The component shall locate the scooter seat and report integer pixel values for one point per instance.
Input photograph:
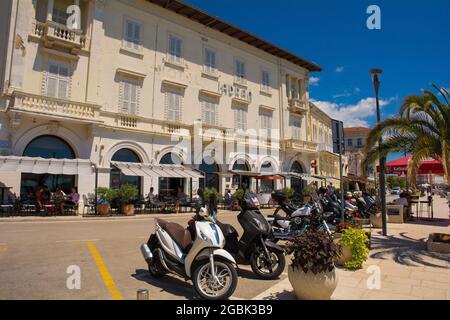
(180, 235)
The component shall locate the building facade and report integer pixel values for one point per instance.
(355, 142)
(140, 81)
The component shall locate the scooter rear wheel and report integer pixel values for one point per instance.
(260, 265)
(155, 268)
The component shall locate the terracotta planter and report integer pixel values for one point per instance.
(377, 221)
(309, 286)
(128, 209)
(103, 209)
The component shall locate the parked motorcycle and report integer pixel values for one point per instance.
(297, 219)
(194, 253)
(266, 258)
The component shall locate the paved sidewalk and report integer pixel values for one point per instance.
(408, 271)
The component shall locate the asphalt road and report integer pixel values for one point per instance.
(35, 257)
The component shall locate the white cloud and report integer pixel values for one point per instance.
(314, 81)
(339, 69)
(357, 90)
(352, 114)
(341, 95)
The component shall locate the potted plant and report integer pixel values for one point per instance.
(312, 273)
(127, 195)
(211, 195)
(104, 198)
(353, 245)
(306, 192)
(289, 192)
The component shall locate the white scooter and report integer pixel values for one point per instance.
(194, 253)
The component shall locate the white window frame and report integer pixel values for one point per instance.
(171, 56)
(173, 112)
(128, 104)
(133, 43)
(58, 78)
(240, 118)
(266, 120)
(210, 111)
(265, 86)
(240, 76)
(296, 129)
(210, 69)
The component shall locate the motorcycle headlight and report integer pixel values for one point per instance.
(261, 225)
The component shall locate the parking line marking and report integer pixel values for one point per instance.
(107, 279)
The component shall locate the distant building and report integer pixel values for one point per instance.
(355, 140)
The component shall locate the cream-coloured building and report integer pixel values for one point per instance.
(134, 80)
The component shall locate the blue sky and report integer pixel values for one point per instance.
(412, 47)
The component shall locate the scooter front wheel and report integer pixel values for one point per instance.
(219, 288)
(265, 267)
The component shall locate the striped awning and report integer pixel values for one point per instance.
(38, 165)
(156, 171)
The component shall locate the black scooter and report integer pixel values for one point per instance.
(266, 258)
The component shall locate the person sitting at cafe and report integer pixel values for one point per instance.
(403, 201)
(58, 200)
(153, 200)
(73, 197)
(181, 199)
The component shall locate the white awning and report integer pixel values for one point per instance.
(43, 166)
(156, 171)
(305, 176)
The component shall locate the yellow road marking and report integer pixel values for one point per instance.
(107, 279)
(3, 247)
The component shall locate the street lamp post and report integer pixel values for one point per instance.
(382, 182)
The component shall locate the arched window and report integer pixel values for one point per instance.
(171, 158)
(297, 183)
(210, 168)
(117, 178)
(241, 165)
(238, 180)
(47, 146)
(267, 186)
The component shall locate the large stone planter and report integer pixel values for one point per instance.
(128, 209)
(309, 286)
(103, 209)
(377, 221)
(439, 242)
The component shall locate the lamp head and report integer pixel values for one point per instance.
(375, 72)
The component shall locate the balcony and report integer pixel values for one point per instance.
(300, 145)
(54, 107)
(322, 147)
(53, 34)
(297, 106)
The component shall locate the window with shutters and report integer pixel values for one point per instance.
(240, 118)
(209, 64)
(209, 111)
(296, 129)
(173, 105)
(265, 81)
(129, 96)
(266, 120)
(58, 81)
(174, 50)
(133, 35)
(239, 71)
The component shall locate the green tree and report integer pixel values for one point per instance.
(422, 129)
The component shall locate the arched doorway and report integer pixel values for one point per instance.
(296, 183)
(117, 178)
(48, 147)
(170, 186)
(210, 168)
(267, 186)
(243, 166)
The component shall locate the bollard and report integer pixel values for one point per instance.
(142, 294)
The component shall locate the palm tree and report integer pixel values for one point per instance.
(422, 129)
